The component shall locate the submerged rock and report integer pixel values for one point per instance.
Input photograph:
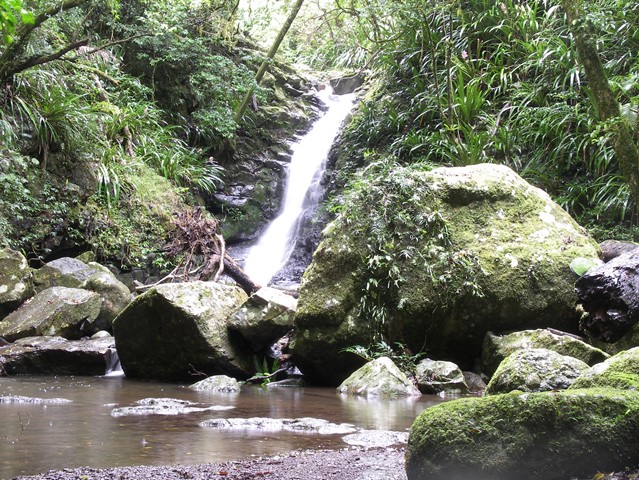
(620, 371)
(317, 426)
(536, 436)
(174, 330)
(16, 281)
(438, 376)
(379, 378)
(33, 400)
(496, 348)
(165, 406)
(57, 356)
(535, 370)
(470, 250)
(67, 312)
(376, 438)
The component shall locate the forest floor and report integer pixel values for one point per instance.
(354, 463)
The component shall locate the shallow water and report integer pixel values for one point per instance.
(35, 438)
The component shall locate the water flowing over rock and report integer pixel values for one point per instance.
(176, 331)
(497, 347)
(16, 281)
(535, 370)
(467, 251)
(37, 400)
(57, 356)
(303, 189)
(379, 378)
(620, 371)
(266, 316)
(439, 376)
(67, 312)
(536, 436)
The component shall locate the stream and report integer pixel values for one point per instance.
(35, 438)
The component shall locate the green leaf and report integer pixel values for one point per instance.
(581, 265)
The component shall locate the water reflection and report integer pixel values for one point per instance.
(35, 438)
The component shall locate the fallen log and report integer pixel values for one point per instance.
(609, 294)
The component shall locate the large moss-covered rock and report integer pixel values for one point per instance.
(379, 378)
(16, 281)
(536, 436)
(497, 347)
(442, 256)
(535, 370)
(176, 330)
(67, 312)
(620, 371)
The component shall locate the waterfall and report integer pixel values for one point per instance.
(113, 366)
(307, 165)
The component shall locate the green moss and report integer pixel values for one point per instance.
(620, 371)
(533, 436)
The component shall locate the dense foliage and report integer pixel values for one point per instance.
(460, 83)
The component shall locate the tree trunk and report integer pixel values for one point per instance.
(271, 53)
(605, 102)
(610, 296)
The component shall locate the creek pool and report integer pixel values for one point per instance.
(35, 438)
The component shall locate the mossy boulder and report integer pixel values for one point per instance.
(378, 378)
(435, 259)
(67, 312)
(497, 347)
(535, 370)
(16, 281)
(174, 331)
(536, 436)
(620, 371)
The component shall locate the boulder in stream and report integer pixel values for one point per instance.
(497, 347)
(536, 436)
(379, 378)
(16, 281)
(57, 356)
(265, 317)
(115, 297)
(436, 259)
(217, 384)
(67, 312)
(535, 370)
(179, 331)
(436, 376)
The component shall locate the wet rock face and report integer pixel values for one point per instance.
(536, 436)
(174, 331)
(474, 249)
(16, 281)
(67, 312)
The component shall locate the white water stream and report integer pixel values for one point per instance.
(276, 244)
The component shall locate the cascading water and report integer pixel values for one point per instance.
(276, 244)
